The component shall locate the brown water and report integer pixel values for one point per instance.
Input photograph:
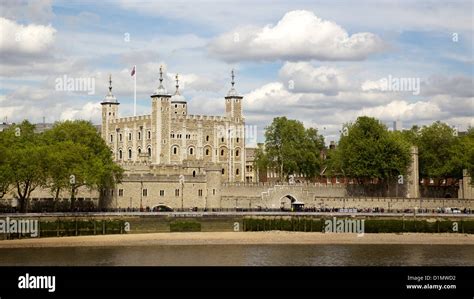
(244, 255)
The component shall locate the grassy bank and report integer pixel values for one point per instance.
(303, 224)
(89, 226)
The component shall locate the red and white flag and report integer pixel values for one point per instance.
(133, 70)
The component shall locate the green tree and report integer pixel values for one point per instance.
(369, 151)
(80, 157)
(24, 161)
(290, 148)
(441, 153)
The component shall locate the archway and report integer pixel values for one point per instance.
(290, 203)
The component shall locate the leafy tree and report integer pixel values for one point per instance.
(441, 153)
(29, 160)
(80, 158)
(290, 148)
(369, 151)
(25, 161)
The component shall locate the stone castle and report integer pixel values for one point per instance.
(169, 137)
(169, 152)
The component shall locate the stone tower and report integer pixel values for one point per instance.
(233, 103)
(413, 188)
(109, 111)
(160, 119)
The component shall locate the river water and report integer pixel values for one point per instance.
(243, 255)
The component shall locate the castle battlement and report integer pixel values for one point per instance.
(130, 119)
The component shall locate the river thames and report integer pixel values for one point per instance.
(243, 255)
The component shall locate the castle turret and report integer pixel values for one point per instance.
(233, 102)
(109, 112)
(160, 118)
(179, 106)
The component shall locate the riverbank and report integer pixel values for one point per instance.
(247, 238)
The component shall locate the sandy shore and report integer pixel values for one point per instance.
(230, 238)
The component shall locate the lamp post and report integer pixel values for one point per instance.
(181, 181)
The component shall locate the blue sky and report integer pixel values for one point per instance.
(317, 61)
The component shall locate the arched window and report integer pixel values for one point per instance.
(149, 134)
(120, 154)
(175, 150)
(237, 153)
(129, 153)
(222, 152)
(194, 173)
(140, 136)
(120, 137)
(207, 152)
(238, 139)
(237, 171)
(207, 138)
(111, 137)
(222, 139)
(139, 150)
(191, 151)
(223, 171)
(149, 152)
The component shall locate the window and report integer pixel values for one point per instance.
(191, 151)
(129, 153)
(145, 192)
(237, 153)
(175, 105)
(222, 139)
(111, 138)
(139, 151)
(213, 191)
(223, 171)
(200, 192)
(176, 192)
(194, 173)
(207, 138)
(162, 192)
(222, 152)
(238, 139)
(149, 134)
(120, 137)
(149, 152)
(237, 171)
(120, 193)
(207, 152)
(175, 150)
(139, 135)
(120, 154)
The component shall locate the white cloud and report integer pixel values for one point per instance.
(89, 111)
(21, 39)
(304, 77)
(299, 35)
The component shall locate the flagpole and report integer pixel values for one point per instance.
(135, 94)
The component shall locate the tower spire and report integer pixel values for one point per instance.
(161, 75)
(177, 85)
(110, 98)
(232, 92)
(232, 78)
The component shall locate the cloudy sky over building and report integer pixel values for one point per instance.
(322, 62)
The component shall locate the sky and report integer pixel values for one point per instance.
(322, 62)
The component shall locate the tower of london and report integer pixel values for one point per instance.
(170, 137)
